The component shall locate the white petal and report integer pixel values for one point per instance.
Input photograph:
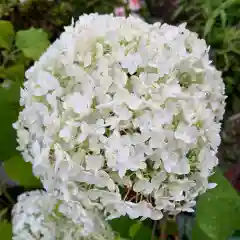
(94, 162)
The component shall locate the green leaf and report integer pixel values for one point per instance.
(208, 7)
(3, 212)
(172, 227)
(199, 234)
(33, 42)
(6, 34)
(225, 4)
(5, 230)
(122, 225)
(118, 237)
(177, 12)
(218, 210)
(21, 172)
(223, 17)
(14, 73)
(9, 109)
(134, 229)
(208, 26)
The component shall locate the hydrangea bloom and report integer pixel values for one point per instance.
(39, 215)
(124, 113)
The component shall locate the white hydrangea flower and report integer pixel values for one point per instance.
(40, 215)
(123, 112)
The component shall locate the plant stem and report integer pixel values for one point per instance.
(5, 192)
(154, 230)
(163, 227)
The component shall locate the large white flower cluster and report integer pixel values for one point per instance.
(125, 114)
(39, 215)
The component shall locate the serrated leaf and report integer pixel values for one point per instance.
(21, 172)
(134, 229)
(5, 230)
(9, 109)
(6, 34)
(217, 212)
(32, 42)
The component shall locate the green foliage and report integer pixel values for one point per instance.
(21, 172)
(219, 11)
(217, 215)
(3, 213)
(172, 227)
(218, 22)
(56, 13)
(32, 42)
(198, 234)
(7, 34)
(134, 229)
(5, 230)
(14, 73)
(6, 6)
(9, 108)
(131, 229)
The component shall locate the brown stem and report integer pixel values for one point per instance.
(126, 195)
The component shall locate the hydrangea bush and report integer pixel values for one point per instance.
(39, 215)
(123, 115)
